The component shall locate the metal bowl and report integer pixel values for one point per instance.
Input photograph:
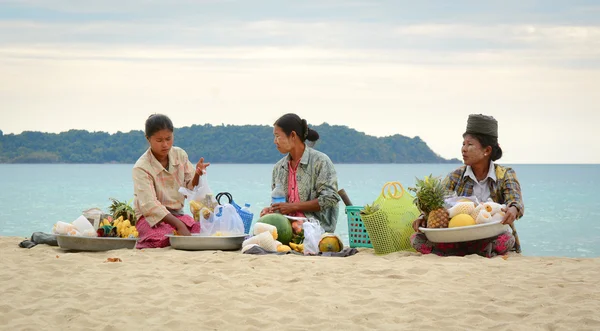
(94, 244)
(464, 233)
(197, 242)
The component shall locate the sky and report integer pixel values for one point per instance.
(415, 68)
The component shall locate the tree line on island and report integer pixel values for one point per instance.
(219, 144)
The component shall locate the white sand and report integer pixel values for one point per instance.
(45, 288)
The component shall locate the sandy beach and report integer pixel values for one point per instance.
(45, 288)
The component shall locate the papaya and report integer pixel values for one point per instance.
(283, 225)
(330, 243)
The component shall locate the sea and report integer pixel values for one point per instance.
(562, 207)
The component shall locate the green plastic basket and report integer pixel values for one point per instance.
(357, 233)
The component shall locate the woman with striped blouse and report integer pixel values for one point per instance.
(157, 176)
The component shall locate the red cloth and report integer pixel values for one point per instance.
(293, 194)
(154, 236)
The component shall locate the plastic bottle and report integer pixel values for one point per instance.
(278, 195)
(246, 208)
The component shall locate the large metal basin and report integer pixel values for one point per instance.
(94, 244)
(197, 242)
(465, 233)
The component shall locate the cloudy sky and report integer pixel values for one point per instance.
(416, 68)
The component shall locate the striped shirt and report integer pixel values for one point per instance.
(155, 188)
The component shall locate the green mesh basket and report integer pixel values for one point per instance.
(390, 228)
(357, 233)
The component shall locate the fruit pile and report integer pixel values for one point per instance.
(122, 222)
(276, 233)
(430, 193)
(431, 198)
(120, 227)
(468, 212)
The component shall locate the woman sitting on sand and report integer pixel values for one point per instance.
(307, 175)
(157, 176)
(482, 178)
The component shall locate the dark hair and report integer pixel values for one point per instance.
(157, 122)
(292, 122)
(485, 141)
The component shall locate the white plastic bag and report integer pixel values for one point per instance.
(225, 221)
(63, 228)
(312, 236)
(207, 221)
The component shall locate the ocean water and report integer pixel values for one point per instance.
(562, 209)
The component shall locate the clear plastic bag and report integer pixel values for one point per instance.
(94, 215)
(451, 201)
(199, 197)
(312, 236)
(224, 221)
(206, 220)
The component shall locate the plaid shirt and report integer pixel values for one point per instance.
(316, 179)
(505, 190)
(155, 188)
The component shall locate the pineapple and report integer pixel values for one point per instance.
(429, 198)
(122, 209)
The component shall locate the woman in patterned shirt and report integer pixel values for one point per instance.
(482, 178)
(157, 176)
(307, 175)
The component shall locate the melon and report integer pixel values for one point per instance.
(461, 208)
(284, 228)
(461, 220)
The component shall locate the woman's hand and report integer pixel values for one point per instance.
(419, 222)
(177, 224)
(284, 208)
(510, 215)
(182, 229)
(201, 167)
(265, 211)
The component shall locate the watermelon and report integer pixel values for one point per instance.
(284, 228)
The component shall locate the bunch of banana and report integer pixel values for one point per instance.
(125, 229)
(297, 247)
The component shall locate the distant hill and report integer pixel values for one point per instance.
(217, 144)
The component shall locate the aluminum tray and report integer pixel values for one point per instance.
(197, 242)
(94, 244)
(465, 233)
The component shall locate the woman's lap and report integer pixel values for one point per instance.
(154, 236)
(488, 247)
